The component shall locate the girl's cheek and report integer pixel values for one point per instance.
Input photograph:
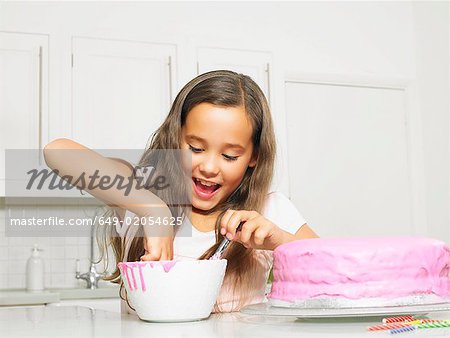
(195, 163)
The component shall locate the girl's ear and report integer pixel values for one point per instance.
(253, 160)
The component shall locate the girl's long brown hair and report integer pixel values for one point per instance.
(228, 89)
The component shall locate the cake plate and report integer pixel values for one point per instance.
(268, 310)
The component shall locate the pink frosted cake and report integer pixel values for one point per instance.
(354, 272)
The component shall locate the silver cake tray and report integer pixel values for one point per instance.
(268, 310)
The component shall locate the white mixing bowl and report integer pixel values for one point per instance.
(173, 291)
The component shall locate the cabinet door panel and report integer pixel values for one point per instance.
(121, 91)
(349, 158)
(23, 89)
(253, 63)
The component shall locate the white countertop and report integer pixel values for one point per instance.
(76, 321)
(23, 297)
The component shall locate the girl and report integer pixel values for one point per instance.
(224, 120)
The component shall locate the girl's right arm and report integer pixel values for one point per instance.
(73, 159)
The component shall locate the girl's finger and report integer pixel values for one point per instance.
(238, 217)
(164, 256)
(224, 222)
(247, 230)
(154, 254)
(168, 253)
(145, 244)
(150, 257)
(260, 235)
(233, 223)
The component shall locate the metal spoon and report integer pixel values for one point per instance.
(224, 245)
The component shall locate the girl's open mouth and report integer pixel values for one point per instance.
(205, 191)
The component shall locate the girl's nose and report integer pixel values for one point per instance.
(209, 167)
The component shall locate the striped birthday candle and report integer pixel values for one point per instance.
(388, 326)
(434, 325)
(403, 329)
(397, 319)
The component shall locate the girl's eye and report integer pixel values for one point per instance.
(227, 157)
(230, 158)
(195, 150)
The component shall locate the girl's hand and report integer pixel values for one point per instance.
(158, 248)
(257, 232)
(158, 240)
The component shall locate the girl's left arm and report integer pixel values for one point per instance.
(258, 232)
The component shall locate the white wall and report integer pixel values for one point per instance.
(431, 32)
(395, 40)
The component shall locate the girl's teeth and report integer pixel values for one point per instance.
(208, 184)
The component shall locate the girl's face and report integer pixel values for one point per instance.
(220, 139)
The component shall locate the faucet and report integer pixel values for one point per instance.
(92, 276)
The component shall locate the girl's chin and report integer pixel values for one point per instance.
(204, 207)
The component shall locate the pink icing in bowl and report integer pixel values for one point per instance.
(172, 291)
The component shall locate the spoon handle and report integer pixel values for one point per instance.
(224, 245)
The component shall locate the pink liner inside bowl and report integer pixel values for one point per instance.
(128, 266)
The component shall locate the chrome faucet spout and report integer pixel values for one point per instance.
(92, 277)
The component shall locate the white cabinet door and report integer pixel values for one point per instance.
(122, 91)
(255, 64)
(23, 93)
(349, 158)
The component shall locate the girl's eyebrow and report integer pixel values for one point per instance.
(228, 145)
